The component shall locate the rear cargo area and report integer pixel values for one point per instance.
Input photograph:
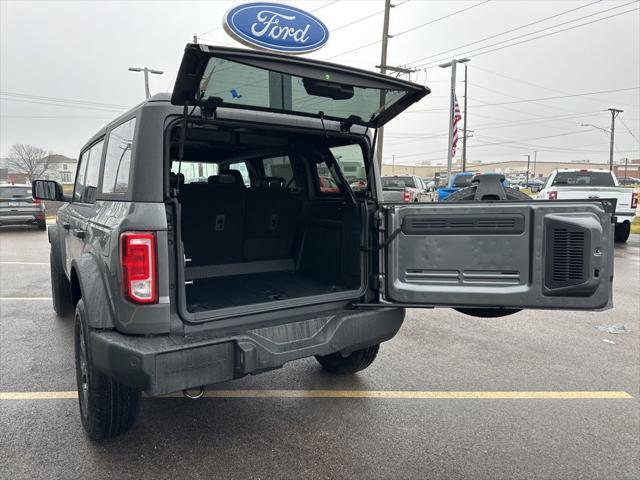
(259, 230)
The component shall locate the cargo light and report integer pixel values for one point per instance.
(138, 261)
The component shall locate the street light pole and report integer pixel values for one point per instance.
(452, 101)
(146, 72)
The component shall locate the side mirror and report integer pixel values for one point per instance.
(47, 190)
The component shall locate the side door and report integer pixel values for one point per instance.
(83, 203)
(503, 255)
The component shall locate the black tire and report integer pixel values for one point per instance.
(622, 232)
(468, 194)
(60, 290)
(352, 363)
(107, 407)
(42, 225)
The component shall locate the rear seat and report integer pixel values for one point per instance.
(270, 221)
(213, 220)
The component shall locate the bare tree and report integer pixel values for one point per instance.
(29, 160)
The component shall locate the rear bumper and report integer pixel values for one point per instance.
(21, 219)
(164, 364)
(625, 216)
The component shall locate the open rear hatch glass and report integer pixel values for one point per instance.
(266, 81)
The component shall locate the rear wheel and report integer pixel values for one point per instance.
(622, 232)
(42, 225)
(107, 407)
(60, 290)
(351, 363)
(468, 194)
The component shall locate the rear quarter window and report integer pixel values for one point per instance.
(117, 164)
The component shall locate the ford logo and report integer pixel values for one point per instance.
(276, 27)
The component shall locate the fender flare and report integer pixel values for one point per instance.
(56, 248)
(94, 291)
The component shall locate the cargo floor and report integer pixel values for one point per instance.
(224, 292)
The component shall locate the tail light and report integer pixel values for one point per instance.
(406, 196)
(37, 201)
(139, 264)
(553, 195)
(634, 199)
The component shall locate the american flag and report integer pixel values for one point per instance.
(457, 116)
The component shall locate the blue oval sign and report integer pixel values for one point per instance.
(276, 27)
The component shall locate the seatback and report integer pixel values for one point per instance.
(213, 220)
(270, 220)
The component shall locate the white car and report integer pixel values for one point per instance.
(578, 184)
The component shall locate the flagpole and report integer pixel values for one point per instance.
(452, 94)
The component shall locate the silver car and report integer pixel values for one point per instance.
(18, 207)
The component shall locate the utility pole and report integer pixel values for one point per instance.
(383, 70)
(452, 101)
(535, 159)
(464, 133)
(528, 162)
(614, 114)
(146, 71)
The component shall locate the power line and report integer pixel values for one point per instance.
(430, 64)
(84, 107)
(536, 99)
(628, 129)
(408, 30)
(506, 32)
(65, 100)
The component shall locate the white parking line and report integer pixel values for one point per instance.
(24, 298)
(24, 263)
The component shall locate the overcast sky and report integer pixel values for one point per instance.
(63, 69)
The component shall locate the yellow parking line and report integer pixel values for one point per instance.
(25, 298)
(394, 394)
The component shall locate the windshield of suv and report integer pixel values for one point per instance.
(240, 84)
(398, 182)
(13, 191)
(594, 179)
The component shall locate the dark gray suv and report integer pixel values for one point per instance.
(198, 245)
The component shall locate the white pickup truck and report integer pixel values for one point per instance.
(574, 184)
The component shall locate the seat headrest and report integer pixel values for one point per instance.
(273, 182)
(235, 174)
(221, 180)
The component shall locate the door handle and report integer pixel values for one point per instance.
(80, 233)
(66, 225)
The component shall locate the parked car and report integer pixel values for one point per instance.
(573, 184)
(403, 188)
(18, 207)
(629, 181)
(327, 184)
(175, 286)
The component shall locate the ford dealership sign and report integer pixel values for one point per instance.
(276, 27)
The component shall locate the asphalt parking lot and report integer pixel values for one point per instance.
(584, 424)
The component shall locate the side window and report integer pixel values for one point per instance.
(93, 173)
(117, 162)
(78, 188)
(279, 167)
(351, 162)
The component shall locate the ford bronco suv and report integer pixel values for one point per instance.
(198, 245)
